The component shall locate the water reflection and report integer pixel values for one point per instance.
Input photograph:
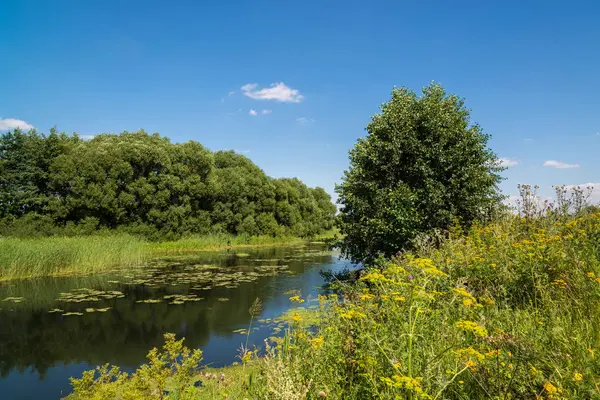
(39, 350)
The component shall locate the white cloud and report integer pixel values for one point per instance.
(507, 162)
(266, 112)
(8, 124)
(87, 137)
(559, 164)
(277, 91)
(304, 120)
(253, 112)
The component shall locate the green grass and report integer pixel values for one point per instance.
(221, 242)
(25, 258)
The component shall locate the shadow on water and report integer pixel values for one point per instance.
(54, 328)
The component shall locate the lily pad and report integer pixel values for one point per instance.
(14, 299)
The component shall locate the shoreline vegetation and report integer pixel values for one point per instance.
(507, 309)
(52, 256)
(84, 255)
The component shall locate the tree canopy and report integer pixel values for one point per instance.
(142, 183)
(422, 166)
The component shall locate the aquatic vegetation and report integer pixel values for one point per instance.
(81, 295)
(72, 313)
(14, 299)
(24, 258)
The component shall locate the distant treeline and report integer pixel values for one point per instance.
(144, 184)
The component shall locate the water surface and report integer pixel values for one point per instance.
(54, 328)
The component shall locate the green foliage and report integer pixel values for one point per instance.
(145, 185)
(509, 311)
(421, 166)
(170, 373)
(23, 258)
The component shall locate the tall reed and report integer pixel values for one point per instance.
(222, 242)
(23, 258)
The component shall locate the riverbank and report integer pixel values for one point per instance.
(84, 255)
(509, 310)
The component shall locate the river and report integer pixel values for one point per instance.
(55, 328)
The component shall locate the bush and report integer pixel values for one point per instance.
(422, 166)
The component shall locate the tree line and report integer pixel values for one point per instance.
(143, 184)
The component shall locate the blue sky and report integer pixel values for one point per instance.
(199, 70)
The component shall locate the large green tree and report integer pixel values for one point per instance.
(422, 166)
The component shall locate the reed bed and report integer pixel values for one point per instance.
(25, 258)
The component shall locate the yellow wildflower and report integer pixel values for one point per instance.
(317, 342)
(472, 327)
(350, 314)
(577, 377)
(591, 275)
(550, 388)
(374, 277)
(487, 300)
(464, 293)
(296, 299)
(406, 382)
(366, 296)
(427, 266)
(399, 298)
(559, 283)
(296, 317)
(467, 302)
(470, 356)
